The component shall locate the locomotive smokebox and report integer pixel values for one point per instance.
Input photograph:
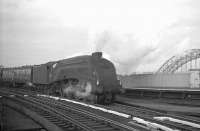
(97, 55)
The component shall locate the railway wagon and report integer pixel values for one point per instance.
(177, 85)
(88, 77)
(18, 75)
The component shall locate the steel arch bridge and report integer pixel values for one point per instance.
(182, 63)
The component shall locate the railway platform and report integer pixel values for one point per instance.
(160, 106)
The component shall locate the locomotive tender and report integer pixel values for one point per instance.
(89, 78)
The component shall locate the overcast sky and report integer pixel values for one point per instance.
(137, 35)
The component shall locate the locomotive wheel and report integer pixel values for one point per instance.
(100, 99)
(113, 97)
(71, 96)
(108, 98)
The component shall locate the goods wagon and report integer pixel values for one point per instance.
(88, 77)
(19, 75)
(163, 84)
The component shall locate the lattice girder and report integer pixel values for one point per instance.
(175, 62)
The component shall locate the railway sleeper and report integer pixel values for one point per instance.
(49, 117)
(61, 124)
(99, 126)
(71, 128)
(67, 125)
(93, 124)
(87, 122)
(104, 129)
(76, 117)
(55, 121)
(82, 120)
(46, 113)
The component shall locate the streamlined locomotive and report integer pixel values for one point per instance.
(89, 78)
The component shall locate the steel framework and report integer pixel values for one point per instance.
(175, 62)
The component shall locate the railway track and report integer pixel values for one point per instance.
(150, 116)
(140, 113)
(64, 116)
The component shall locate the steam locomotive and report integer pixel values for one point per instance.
(89, 78)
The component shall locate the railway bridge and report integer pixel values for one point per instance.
(178, 77)
(190, 59)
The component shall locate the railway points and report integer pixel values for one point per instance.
(147, 116)
(55, 111)
(178, 121)
(150, 125)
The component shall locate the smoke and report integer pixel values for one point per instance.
(149, 44)
(81, 90)
(131, 53)
(125, 51)
(102, 40)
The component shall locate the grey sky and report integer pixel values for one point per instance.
(137, 35)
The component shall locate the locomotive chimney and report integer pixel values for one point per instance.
(97, 55)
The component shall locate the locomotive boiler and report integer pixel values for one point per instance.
(89, 78)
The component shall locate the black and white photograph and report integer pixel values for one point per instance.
(99, 65)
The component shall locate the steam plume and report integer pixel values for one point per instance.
(125, 51)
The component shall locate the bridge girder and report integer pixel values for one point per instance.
(175, 62)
